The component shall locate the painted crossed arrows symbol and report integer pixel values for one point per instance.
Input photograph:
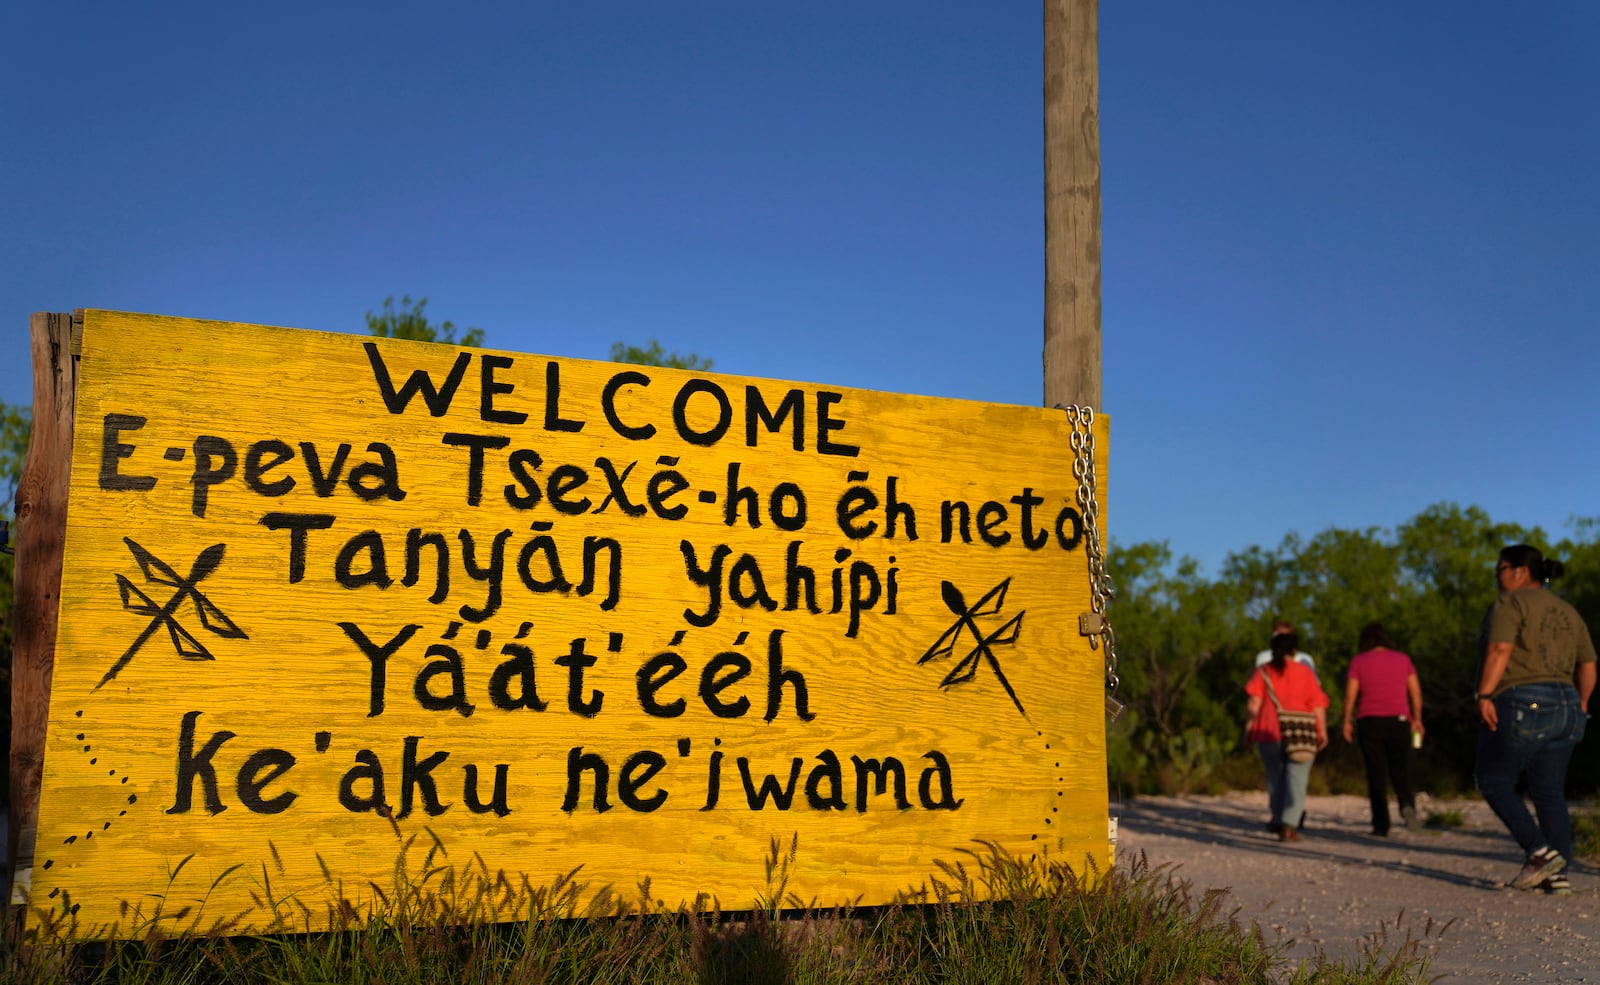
(982, 651)
(158, 572)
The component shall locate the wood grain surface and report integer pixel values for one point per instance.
(326, 595)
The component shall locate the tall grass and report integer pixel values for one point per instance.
(992, 919)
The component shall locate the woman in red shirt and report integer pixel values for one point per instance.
(1297, 689)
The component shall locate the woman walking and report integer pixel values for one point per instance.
(1384, 696)
(1533, 696)
(1292, 686)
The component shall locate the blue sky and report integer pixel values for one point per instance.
(1351, 251)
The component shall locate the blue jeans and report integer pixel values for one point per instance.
(1286, 785)
(1540, 725)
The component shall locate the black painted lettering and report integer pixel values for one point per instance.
(579, 762)
(865, 590)
(771, 787)
(736, 495)
(592, 546)
(990, 516)
(438, 400)
(324, 482)
(955, 516)
(490, 387)
(416, 540)
(447, 663)
(524, 493)
(257, 464)
(112, 450)
(1069, 519)
(297, 524)
(476, 445)
(616, 490)
(938, 775)
(370, 770)
(792, 407)
(577, 660)
(192, 764)
(872, 778)
(637, 770)
(746, 585)
(378, 656)
(214, 462)
(798, 577)
(519, 668)
(417, 776)
(608, 404)
(370, 544)
(713, 780)
(378, 480)
(566, 479)
(553, 421)
(827, 424)
(662, 487)
(680, 413)
(493, 573)
(259, 770)
(778, 676)
(709, 578)
(1031, 539)
(722, 672)
(856, 501)
(894, 511)
(545, 546)
(498, 803)
(657, 672)
(787, 507)
(828, 772)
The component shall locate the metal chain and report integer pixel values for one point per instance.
(1101, 588)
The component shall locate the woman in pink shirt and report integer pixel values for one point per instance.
(1384, 695)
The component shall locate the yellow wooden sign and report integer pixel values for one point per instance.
(326, 596)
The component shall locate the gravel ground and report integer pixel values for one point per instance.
(1340, 884)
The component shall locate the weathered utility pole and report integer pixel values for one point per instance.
(41, 538)
(1072, 203)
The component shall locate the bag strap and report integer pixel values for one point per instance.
(1271, 693)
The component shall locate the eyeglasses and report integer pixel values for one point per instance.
(1502, 566)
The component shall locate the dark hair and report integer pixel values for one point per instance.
(1373, 635)
(1283, 644)
(1540, 567)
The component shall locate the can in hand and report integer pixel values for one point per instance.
(1416, 739)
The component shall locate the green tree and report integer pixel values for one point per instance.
(1178, 637)
(1186, 643)
(15, 426)
(409, 322)
(654, 355)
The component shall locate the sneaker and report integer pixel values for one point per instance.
(1541, 865)
(1557, 885)
(1408, 815)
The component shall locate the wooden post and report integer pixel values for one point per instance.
(41, 536)
(1071, 203)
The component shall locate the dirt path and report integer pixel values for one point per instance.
(1340, 884)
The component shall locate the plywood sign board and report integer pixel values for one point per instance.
(325, 595)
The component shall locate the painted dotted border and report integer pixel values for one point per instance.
(87, 751)
(1060, 792)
